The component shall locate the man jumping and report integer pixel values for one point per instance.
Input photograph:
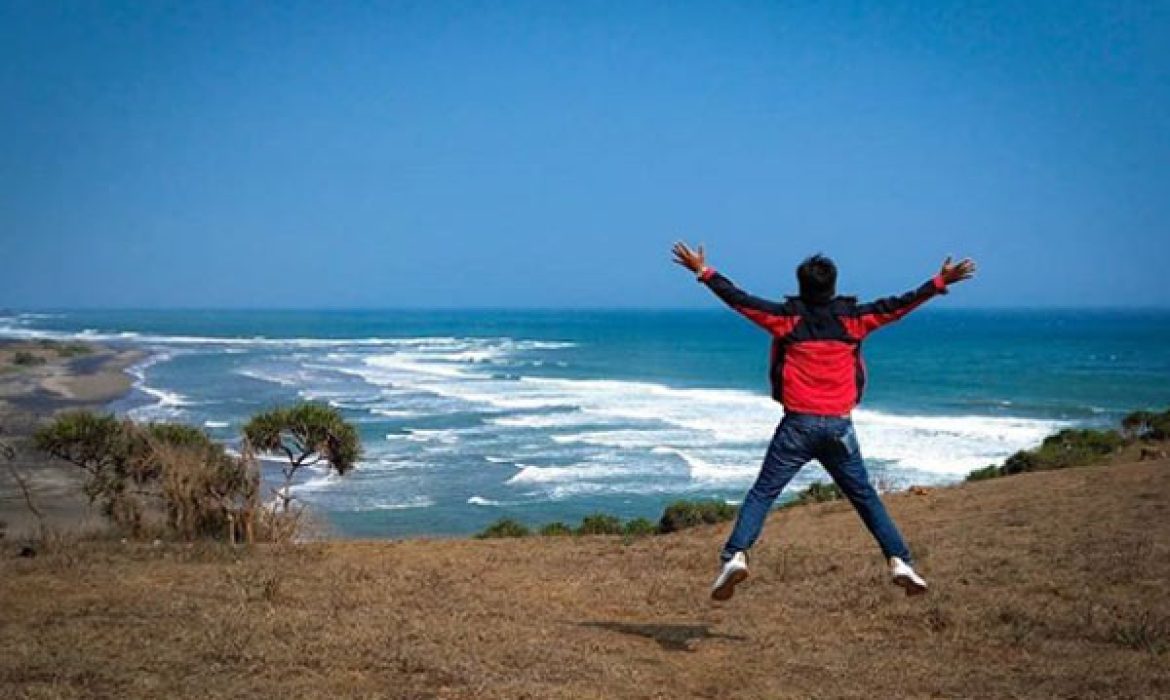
(818, 375)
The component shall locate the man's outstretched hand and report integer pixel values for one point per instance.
(962, 270)
(692, 260)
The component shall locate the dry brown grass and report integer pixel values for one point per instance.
(1044, 585)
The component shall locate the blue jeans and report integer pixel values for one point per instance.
(832, 441)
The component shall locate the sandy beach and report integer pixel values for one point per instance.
(37, 380)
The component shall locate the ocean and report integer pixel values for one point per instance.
(469, 416)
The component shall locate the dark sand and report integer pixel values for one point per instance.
(63, 377)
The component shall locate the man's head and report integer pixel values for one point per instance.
(817, 276)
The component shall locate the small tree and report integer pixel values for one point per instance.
(306, 434)
(102, 447)
(175, 473)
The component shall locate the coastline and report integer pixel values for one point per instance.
(49, 378)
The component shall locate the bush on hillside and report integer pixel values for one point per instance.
(1078, 447)
(817, 492)
(991, 471)
(1072, 447)
(156, 476)
(639, 527)
(173, 479)
(600, 524)
(504, 527)
(684, 514)
(556, 529)
(1147, 425)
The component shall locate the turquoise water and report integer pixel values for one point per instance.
(470, 416)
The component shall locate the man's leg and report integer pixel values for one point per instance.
(787, 453)
(841, 457)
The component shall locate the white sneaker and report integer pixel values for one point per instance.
(906, 577)
(733, 572)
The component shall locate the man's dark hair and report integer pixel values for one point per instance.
(817, 276)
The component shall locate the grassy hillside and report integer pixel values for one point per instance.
(1045, 584)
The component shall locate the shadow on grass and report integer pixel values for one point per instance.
(680, 637)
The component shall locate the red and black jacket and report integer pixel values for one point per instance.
(816, 348)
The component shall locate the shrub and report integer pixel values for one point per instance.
(818, 492)
(639, 527)
(991, 471)
(600, 524)
(206, 492)
(556, 529)
(24, 358)
(172, 476)
(1147, 425)
(680, 515)
(1020, 462)
(504, 527)
(1068, 448)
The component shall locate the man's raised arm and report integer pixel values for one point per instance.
(875, 314)
(776, 318)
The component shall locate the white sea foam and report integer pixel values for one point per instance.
(700, 470)
(531, 474)
(267, 377)
(216, 424)
(424, 343)
(541, 420)
(415, 502)
(654, 415)
(167, 404)
(391, 412)
(951, 445)
(447, 436)
(490, 503)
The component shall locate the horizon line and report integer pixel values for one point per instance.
(4, 311)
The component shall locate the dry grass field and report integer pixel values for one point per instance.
(1044, 585)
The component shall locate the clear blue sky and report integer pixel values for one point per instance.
(546, 154)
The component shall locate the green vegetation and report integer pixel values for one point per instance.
(991, 471)
(639, 527)
(683, 514)
(678, 515)
(155, 477)
(1068, 448)
(816, 492)
(1079, 447)
(306, 434)
(168, 479)
(504, 527)
(600, 524)
(556, 529)
(1147, 425)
